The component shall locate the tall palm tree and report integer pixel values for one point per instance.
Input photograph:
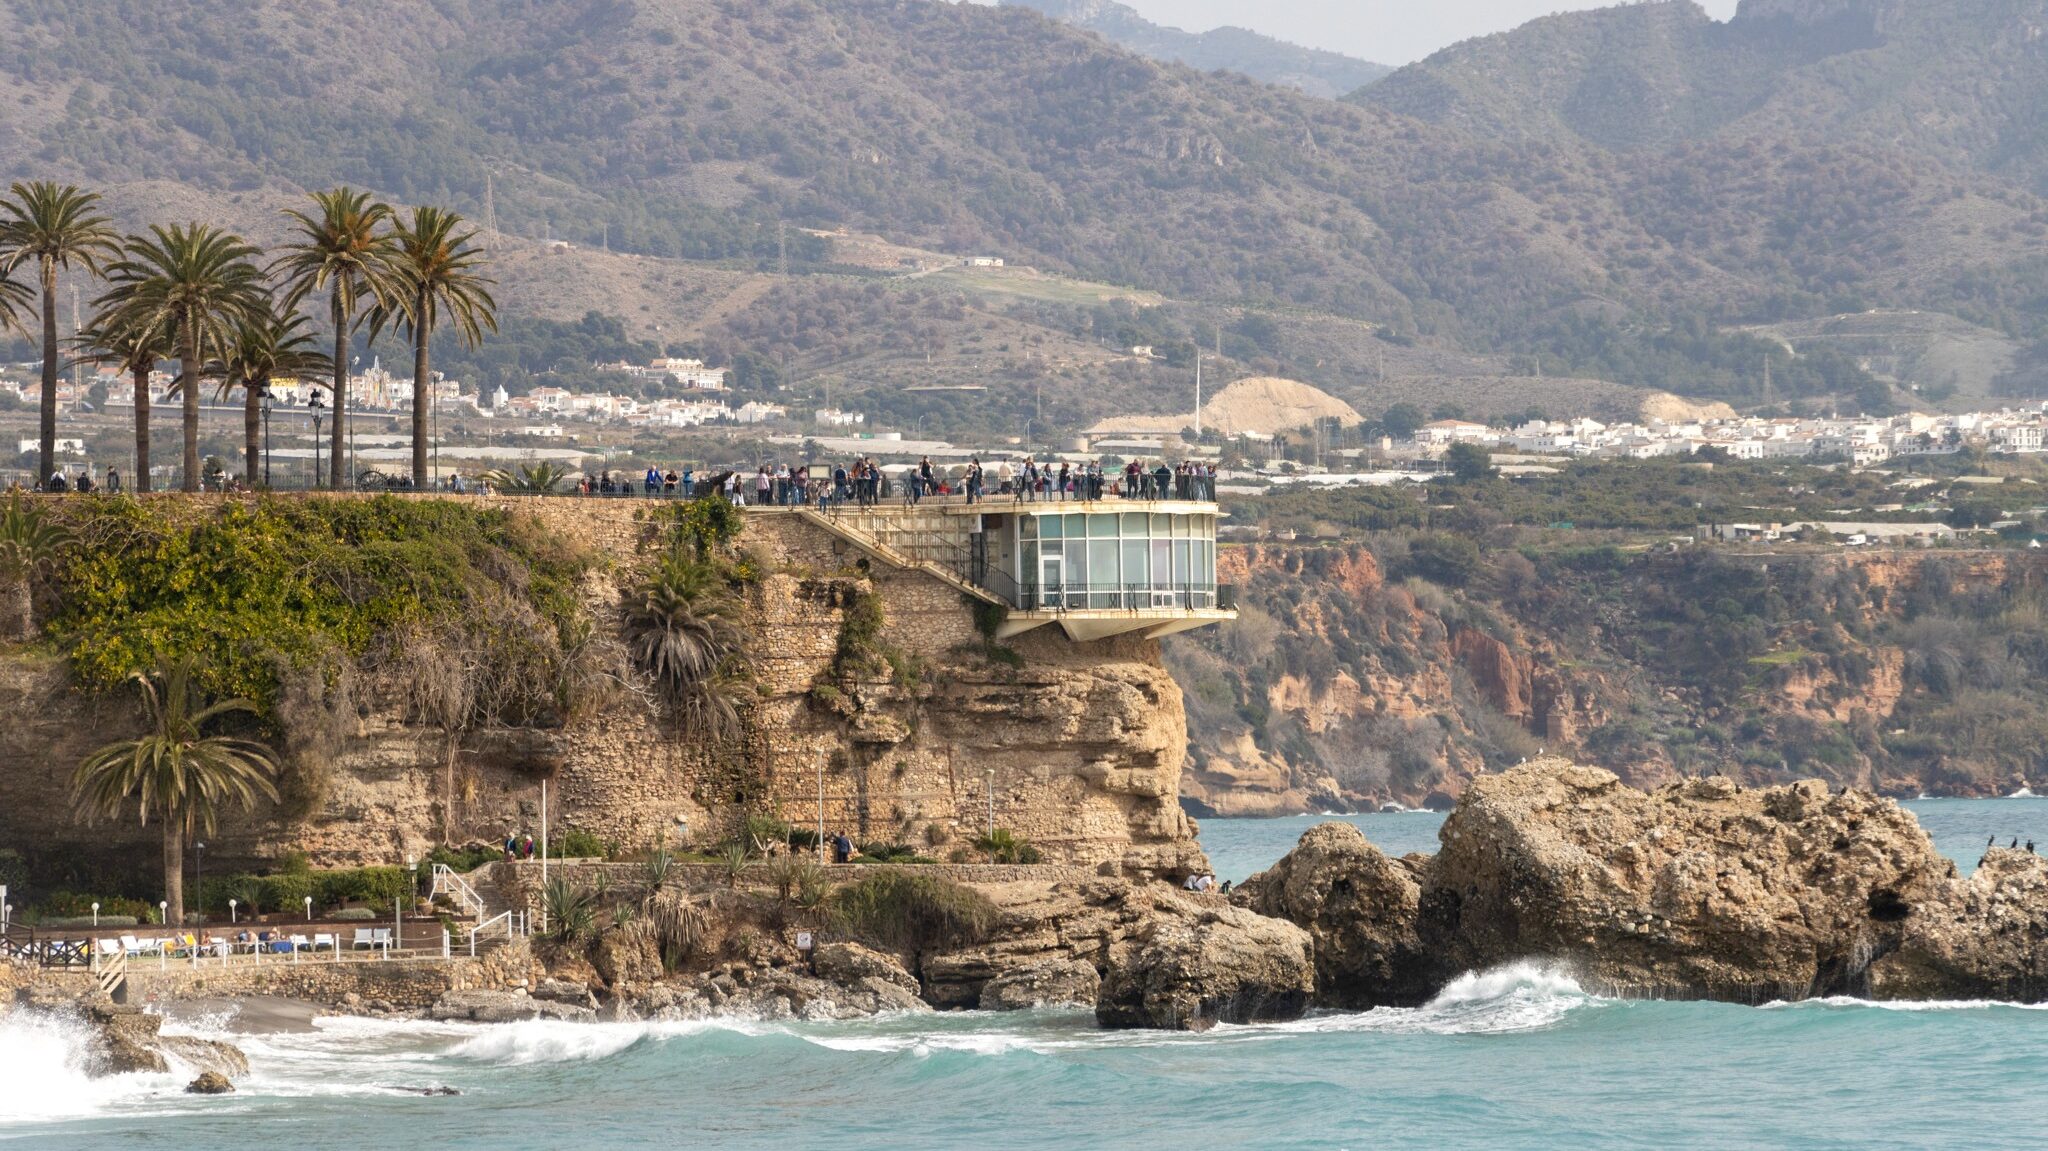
(136, 351)
(439, 279)
(194, 286)
(52, 226)
(267, 347)
(174, 771)
(343, 250)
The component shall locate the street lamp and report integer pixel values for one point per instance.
(232, 904)
(163, 912)
(316, 404)
(95, 915)
(398, 905)
(309, 909)
(266, 434)
(199, 877)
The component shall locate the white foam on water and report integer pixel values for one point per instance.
(1528, 995)
(1842, 1002)
(558, 1041)
(45, 1063)
(2023, 793)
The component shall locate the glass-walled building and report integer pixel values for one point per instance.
(1110, 560)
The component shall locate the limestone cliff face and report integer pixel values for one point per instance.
(1341, 688)
(1077, 747)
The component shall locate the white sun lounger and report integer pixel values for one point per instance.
(323, 939)
(365, 939)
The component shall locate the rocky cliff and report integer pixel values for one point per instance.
(1341, 687)
(1075, 747)
(1702, 889)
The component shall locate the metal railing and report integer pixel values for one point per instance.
(510, 924)
(1109, 597)
(458, 891)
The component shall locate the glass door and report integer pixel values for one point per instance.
(1052, 581)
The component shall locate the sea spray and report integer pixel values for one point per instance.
(46, 1070)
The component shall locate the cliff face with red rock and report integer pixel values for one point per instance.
(1353, 682)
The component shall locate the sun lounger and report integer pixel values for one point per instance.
(382, 937)
(109, 947)
(301, 943)
(323, 939)
(365, 939)
(131, 945)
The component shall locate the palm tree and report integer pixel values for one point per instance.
(137, 351)
(438, 274)
(344, 251)
(54, 226)
(30, 541)
(530, 479)
(681, 634)
(267, 347)
(174, 771)
(192, 286)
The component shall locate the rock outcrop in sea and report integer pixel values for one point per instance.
(1702, 889)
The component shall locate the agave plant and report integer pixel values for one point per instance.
(571, 908)
(530, 479)
(1006, 846)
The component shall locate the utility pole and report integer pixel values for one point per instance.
(782, 248)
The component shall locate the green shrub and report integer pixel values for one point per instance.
(575, 843)
(888, 852)
(1005, 846)
(354, 915)
(912, 911)
(77, 905)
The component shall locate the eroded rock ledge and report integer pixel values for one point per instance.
(1702, 889)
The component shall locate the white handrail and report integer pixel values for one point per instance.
(503, 918)
(447, 882)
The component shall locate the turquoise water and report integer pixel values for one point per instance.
(1240, 847)
(1516, 1058)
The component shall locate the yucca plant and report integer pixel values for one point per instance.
(734, 861)
(1006, 846)
(174, 771)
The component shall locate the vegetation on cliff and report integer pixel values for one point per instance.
(264, 593)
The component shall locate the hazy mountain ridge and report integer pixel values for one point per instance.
(1313, 70)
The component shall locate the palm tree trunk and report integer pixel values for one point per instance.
(252, 430)
(174, 870)
(340, 316)
(140, 480)
(46, 430)
(19, 620)
(189, 367)
(422, 393)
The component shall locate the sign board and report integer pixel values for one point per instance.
(803, 941)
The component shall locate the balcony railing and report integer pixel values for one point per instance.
(1108, 597)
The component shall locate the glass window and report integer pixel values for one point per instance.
(1102, 575)
(1134, 525)
(1162, 527)
(1077, 562)
(1029, 527)
(1181, 573)
(1050, 525)
(1102, 527)
(1205, 563)
(1030, 565)
(1076, 526)
(1162, 563)
(1180, 527)
(1137, 564)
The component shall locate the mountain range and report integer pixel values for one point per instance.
(1601, 194)
(1312, 70)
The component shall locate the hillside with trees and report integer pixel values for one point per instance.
(734, 140)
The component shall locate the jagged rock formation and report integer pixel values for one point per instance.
(1163, 958)
(1703, 889)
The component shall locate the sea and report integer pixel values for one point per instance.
(1518, 1057)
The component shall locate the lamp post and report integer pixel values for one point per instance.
(266, 435)
(398, 906)
(316, 404)
(199, 877)
(232, 904)
(309, 908)
(95, 915)
(163, 912)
